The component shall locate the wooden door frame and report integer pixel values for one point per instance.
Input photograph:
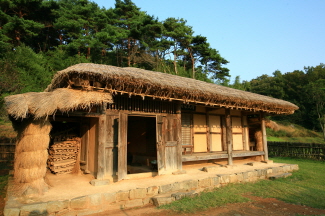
(122, 140)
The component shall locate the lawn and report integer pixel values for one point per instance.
(304, 187)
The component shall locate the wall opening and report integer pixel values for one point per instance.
(141, 145)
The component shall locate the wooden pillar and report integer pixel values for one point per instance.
(111, 142)
(229, 136)
(101, 142)
(209, 144)
(266, 154)
(122, 145)
(179, 135)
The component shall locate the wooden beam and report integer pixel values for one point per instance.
(229, 136)
(266, 154)
(101, 142)
(212, 156)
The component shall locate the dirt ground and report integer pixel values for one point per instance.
(257, 207)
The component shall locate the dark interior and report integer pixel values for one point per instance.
(141, 144)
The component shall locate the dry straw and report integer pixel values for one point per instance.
(31, 156)
(259, 140)
(43, 104)
(166, 86)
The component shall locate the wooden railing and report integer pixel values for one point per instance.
(301, 150)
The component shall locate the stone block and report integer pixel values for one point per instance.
(224, 178)
(286, 168)
(122, 196)
(176, 186)
(233, 178)
(138, 193)
(165, 188)
(215, 181)
(276, 169)
(34, 209)
(269, 171)
(240, 177)
(158, 201)
(189, 184)
(133, 203)
(79, 202)
(210, 168)
(283, 175)
(294, 167)
(11, 211)
(57, 206)
(121, 204)
(181, 195)
(146, 200)
(151, 191)
(179, 172)
(98, 182)
(95, 200)
(108, 198)
(261, 172)
(245, 176)
(204, 182)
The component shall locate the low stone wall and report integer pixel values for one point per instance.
(157, 195)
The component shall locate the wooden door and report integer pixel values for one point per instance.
(169, 149)
(122, 145)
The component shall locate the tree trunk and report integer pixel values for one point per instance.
(175, 62)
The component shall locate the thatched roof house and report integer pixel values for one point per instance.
(127, 116)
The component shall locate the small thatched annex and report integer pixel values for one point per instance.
(112, 122)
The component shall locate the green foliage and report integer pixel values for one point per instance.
(304, 187)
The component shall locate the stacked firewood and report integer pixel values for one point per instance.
(63, 155)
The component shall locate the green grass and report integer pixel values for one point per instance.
(304, 187)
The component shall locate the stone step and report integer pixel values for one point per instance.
(168, 198)
(283, 175)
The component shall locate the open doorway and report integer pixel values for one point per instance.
(141, 145)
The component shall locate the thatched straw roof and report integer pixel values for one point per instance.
(43, 104)
(134, 81)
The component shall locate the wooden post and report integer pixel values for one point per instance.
(101, 142)
(122, 145)
(179, 135)
(266, 154)
(111, 142)
(229, 136)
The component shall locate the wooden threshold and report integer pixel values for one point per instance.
(219, 155)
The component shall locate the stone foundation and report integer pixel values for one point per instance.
(157, 195)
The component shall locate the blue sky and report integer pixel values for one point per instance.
(256, 37)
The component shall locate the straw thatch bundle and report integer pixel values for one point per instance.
(272, 125)
(166, 86)
(43, 104)
(259, 140)
(31, 157)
